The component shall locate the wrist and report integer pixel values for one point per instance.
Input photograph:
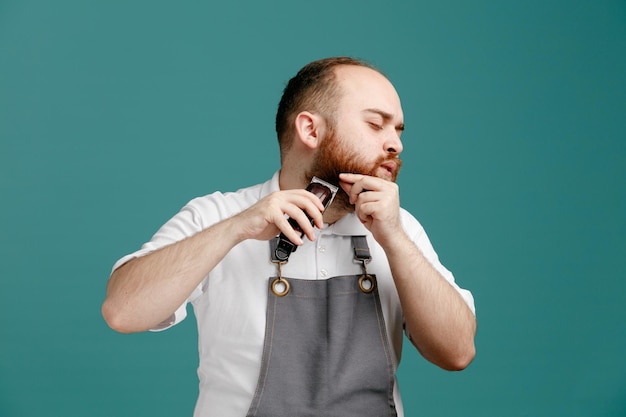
(393, 239)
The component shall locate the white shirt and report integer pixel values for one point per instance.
(230, 302)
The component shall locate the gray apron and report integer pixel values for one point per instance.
(326, 351)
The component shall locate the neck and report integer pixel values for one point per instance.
(334, 213)
(288, 180)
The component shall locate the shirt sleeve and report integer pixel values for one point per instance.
(184, 224)
(419, 236)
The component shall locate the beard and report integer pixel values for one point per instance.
(334, 157)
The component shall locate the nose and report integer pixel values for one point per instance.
(393, 144)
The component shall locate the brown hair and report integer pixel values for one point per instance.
(313, 88)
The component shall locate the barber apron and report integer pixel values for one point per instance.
(326, 350)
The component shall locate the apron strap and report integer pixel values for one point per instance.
(367, 282)
(273, 246)
(361, 250)
(359, 243)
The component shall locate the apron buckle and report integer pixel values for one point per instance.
(367, 282)
(280, 286)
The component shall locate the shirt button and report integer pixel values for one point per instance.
(323, 272)
(322, 248)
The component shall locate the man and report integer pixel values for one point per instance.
(327, 341)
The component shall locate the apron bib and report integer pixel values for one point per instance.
(326, 351)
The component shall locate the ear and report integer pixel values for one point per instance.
(309, 129)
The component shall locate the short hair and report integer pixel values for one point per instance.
(314, 89)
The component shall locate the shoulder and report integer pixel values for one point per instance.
(217, 206)
(235, 200)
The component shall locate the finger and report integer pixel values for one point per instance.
(315, 199)
(315, 212)
(297, 215)
(364, 213)
(362, 182)
(304, 199)
(349, 187)
(290, 233)
(350, 178)
(366, 208)
(312, 206)
(346, 186)
(357, 189)
(369, 195)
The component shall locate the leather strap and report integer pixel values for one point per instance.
(361, 249)
(359, 244)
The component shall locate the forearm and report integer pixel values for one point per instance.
(440, 323)
(147, 290)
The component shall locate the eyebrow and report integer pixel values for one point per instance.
(386, 116)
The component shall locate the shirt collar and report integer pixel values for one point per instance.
(348, 225)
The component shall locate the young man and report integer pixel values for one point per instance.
(319, 335)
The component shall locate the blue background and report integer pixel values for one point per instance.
(114, 114)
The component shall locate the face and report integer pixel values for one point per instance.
(366, 138)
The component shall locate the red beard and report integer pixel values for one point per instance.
(333, 157)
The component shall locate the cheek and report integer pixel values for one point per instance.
(367, 146)
(358, 140)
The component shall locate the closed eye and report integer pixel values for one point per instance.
(375, 126)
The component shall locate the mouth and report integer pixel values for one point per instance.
(388, 169)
